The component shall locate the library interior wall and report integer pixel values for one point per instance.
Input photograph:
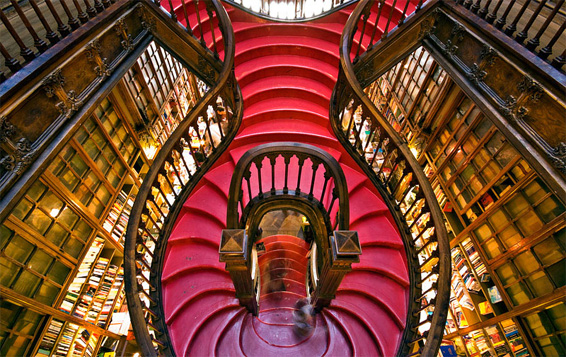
(61, 247)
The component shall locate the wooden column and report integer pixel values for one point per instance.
(235, 253)
(345, 249)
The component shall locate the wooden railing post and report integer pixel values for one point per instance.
(235, 253)
(345, 249)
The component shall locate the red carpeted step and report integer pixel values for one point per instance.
(211, 199)
(383, 324)
(286, 125)
(213, 329)
(365, 282)
(184, 325)
(386, 261)
(360, 335)
(272, 66)
(208, 227)
(286, 72)
(291, 108)
(340, 344)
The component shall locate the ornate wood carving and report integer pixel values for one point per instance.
(54, 87)
(38, 113)
(535, 110)
(6, 129)
(345, 249)
(126, 38)
(94, 54)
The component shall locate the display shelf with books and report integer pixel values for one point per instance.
(117, 218)
(62, 243)
(503, 220)
(113, 298)
(83, 273)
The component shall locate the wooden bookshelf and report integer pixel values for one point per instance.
(61, 247)
(507, 228)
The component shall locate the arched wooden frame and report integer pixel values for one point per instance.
(299, 198)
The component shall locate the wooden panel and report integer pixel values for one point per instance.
(531, 108)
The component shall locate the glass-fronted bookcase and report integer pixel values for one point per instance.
(507, 228)
(61, 247)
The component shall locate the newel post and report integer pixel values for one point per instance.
(345, 249)
(235, 253)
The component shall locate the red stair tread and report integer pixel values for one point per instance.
(186, 227)
(270, 66)
(253, 345)
(292, 108)
(221, 176)
(209, 199)
(208, 336)
(187, 254)
(360, 336)
(363, 201)
(391, 294)
(184, 325)
(201, 278)
(390, 262)
(271, 30)
(381, 325)
(274, 127)
(340, 343)
(385, 234)
(287, 73)
(279, 83)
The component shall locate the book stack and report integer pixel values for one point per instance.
(475, 259)
(98, 271)
(469, 280)
(50, 337)
(108, 306)
(82, 275)
(481, 344)
(497, 341)
(66, 340)
(91, 346)
(471, 347)
(117, 219)
(102, 294)
(440, 196)
(84, 302)
(81, 341)
(514, 338)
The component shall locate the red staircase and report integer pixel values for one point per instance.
(286, 72)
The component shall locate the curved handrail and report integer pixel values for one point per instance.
(190, 150)
(277, 167)
(333, 175)
(387, 160)
(290, 10)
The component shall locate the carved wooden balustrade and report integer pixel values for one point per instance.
(538, 29)
(522, 95)
(43, 104)
(293, 176)
(387, 160)
(56, 20)
(188, 153)
(290, 10)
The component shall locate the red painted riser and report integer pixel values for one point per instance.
(286, 73)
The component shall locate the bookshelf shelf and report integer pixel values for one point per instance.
(61, 247)
(507, 228)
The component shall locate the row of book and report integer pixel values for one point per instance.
(474, 257)
(117, 220)
(83, 274)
